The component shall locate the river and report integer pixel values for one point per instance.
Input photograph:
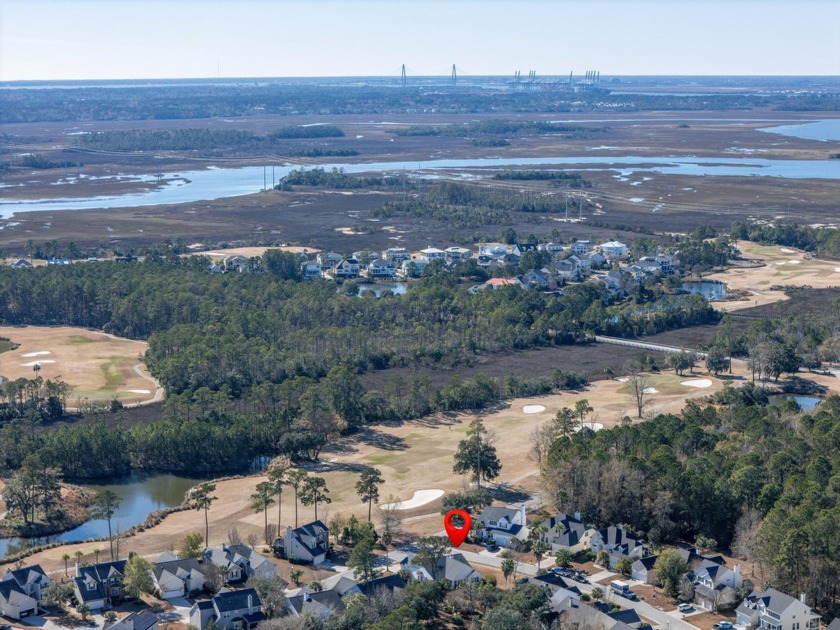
(140, 495)
(824, 130)
(218, 183)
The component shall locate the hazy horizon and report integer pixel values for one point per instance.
(92, 40)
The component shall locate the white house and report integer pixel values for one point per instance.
(235, 264)
(503, 524)
(613, 249)
(229, 610)
(642, 570)
(14, 603)
(564, 531)
(581, 247)
(32, 580)
(618, 543)
(240, 562)
(178, 578)
(307, 543)
(381, 269)
(714, 584)
(328, 260)
(431, 254)
(99, 585)
(457, 254)
(411, 268)
(396, 255)
(311, 269)
(773, 610)
(346, 268)
(321, 604)
(493, 250)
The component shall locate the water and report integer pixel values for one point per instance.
(807, 403)
(824, 130)
(218, 183)
(709, 290)
(140, 493)
(397, 288)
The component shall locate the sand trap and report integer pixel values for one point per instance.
(785, 250)
(622, 379)
(697, 382)
(138, 391)
(26, 355)
(794, 262)
(650, 390)
(781, 262)
(421, 497)
(533, 409)
(34, 363)
(837, 270)
(592, 426)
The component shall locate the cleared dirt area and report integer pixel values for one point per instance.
(96, 366)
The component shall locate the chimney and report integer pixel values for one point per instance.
(522, 515)
(129, 623)
(738, 581)
(578, 516)
(250, 606)
(78, 574)
(802, 598)
(306, 597)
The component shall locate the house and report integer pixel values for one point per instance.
(613, 249)
(178, 578)
(773, 610)
(534, 280)
(21, 263)
(455, 570)
(99, 585)
(431, 254)
(521, 248)
(138, 620)
(493, 250)
(62, 262)
(308, 543)
(328, 260)
(342, 583)
(311, 269)
(669, 263)
(566, 270)
(713, 584)
(650, 266)
(385, 583)
(595, 259)
(14, 603)
(554, 248)
(230, 610)
(554, 582)
(365, 256)
(642, 570)
(457, 255)
(618, 543)
(581, 247)
(237, 264)
(622, 619)
(583, 263)
(32, 580)
(214, 269)
(566, 532)
(396, 255)
(503, 524)
(323, 604)
(381, 269)
(240, 562)
(497, 283)
(346, 268)
(413, 268)
(834, 625)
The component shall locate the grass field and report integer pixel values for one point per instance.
(97, 366)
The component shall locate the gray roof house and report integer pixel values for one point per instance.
(178, 578)
(307, 543)
(774, 610)
(453, 568)
(31, 580)
(618, 543)
(503, 524)
(642, 570)
(241, 562)
(100, 585)
(564, 531)
(714, 584)
(234, 610)
(323, 604)
(138, 620)
(14, 603)
(834, 625)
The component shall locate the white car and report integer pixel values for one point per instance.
(685, 608)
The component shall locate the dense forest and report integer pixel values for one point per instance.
(821, 241)
(764, 480)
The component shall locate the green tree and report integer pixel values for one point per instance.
(313, 492)
(538, 548)
(582, 409)
(278, 469)
(84, 610)
(104, 505)
(476, 454)
(362, 560)
(295, 478)
(508, 567)
(191, 545)
(295, 575)
(138, 577)
(65, 557)
(430, 551)
(56, 593)
(603, 559)
(717, 360)
(202, 498)
(624, 566)
(261, 500)
(367, 487)
(670, 568)
(681, 361)
(563, 558)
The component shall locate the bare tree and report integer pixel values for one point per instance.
(640, 391)
(390, 516)
(747, 542)
(233, 536)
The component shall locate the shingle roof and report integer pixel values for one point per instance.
(141, 620)
(28, 575)
(495, 513)
(11, 592)
(646, 563)
(236, 600)
(173, 566)
(387, 582)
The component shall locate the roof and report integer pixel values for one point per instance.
(386, 582)
(12, 593)
(628, 616)
(236, 600)
(202, 605)
(312, 530)
(773, 600)
(555, 581)
(102, 571)
(141, 620)
(28, 575)
(645, 563)
(456, 568)
(177, 566)
(495, 513)
(617, 244)
(834, 625)
(328, 599)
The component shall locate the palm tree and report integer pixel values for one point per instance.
(202, 497)
(96, 552)
(295, 480)
(65, 557)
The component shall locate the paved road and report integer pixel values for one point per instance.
(644, 345)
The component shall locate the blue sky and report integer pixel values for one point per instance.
(110, 39)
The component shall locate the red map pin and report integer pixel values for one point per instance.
(457, 534)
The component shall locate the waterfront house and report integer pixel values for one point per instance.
(346, 268)
(32, 580)
(100, 585)
(613, 249)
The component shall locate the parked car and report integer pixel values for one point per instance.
(724, 625)
(685, 608)
(492, 547)
(5, 626)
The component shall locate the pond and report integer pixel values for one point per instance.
(397, 288)
(709, 290)
(806, 403)
(140, 495)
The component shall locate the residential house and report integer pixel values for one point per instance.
(328, 260)
(230, 610)
(178, 578)
(581, 247)
(669, 263)
(235, 264)
(618, 543)
(311, 269)
(100, 585)
(396, 255)
(553, 248)
(642, 570)
(413, 268)
(323, 604)
(534, 280)
(834, 625)
(386, 583)
(713, 584)
(566, 532)
(497, 283)
(240, 562)
(493, 250)
(650, 266)
(381, 269)
(31, 579)
(453, 568)
(623, 619)
(457, 255)
(503, 524)
(342, 583)
(308, 543)
(14, 602)
(566, 270)
(365, 256)
(61, 262)
(521, 248)
(431, 254)
(613, 249)
(139, 620)
(21, 263)
(583, 263)
(554, 582)
(214, 269)
(774, 610)
(346, 268)
(593, 258)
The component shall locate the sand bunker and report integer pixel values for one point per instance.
(837, 270)
(592, 426)
(34, 363)
(781, 262)
(533, 409)
(138, 391)
(26, 355)
(622, 379)
(785, 250)
(697, 382)
(794, 262)
(650, 390)
(421, 497)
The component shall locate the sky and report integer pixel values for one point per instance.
(137, 39)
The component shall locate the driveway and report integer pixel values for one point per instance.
(180, 611)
